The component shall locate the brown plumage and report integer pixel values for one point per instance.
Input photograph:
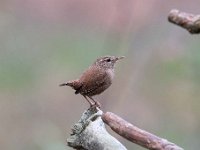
(96, 79)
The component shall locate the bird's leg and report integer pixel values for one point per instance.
(91, 104)
(95, 102)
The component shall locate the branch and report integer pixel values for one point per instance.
(136, 135)
(90, 133)
(188, 21)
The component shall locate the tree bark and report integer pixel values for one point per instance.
(188, 21)
(90, 133)
(137, 135)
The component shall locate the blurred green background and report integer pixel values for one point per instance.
(44, 43)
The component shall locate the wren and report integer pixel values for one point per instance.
(96, 79)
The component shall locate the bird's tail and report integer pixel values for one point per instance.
(69, 83)
(64, 84)
(74, 84)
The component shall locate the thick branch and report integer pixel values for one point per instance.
(90, 133)
(136, 135)
(188, 21)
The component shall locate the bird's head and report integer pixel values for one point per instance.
(107, 62)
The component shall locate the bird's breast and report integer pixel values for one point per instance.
(110, 73)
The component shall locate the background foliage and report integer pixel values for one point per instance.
(44, 43)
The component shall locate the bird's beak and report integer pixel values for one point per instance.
(118, 58)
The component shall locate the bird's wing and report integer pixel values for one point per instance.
(92, 79)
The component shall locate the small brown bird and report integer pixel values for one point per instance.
(96, 79)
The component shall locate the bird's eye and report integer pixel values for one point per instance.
(108, 60)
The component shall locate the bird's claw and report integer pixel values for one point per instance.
(96, 104)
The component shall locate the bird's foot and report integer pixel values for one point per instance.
(96, 104)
